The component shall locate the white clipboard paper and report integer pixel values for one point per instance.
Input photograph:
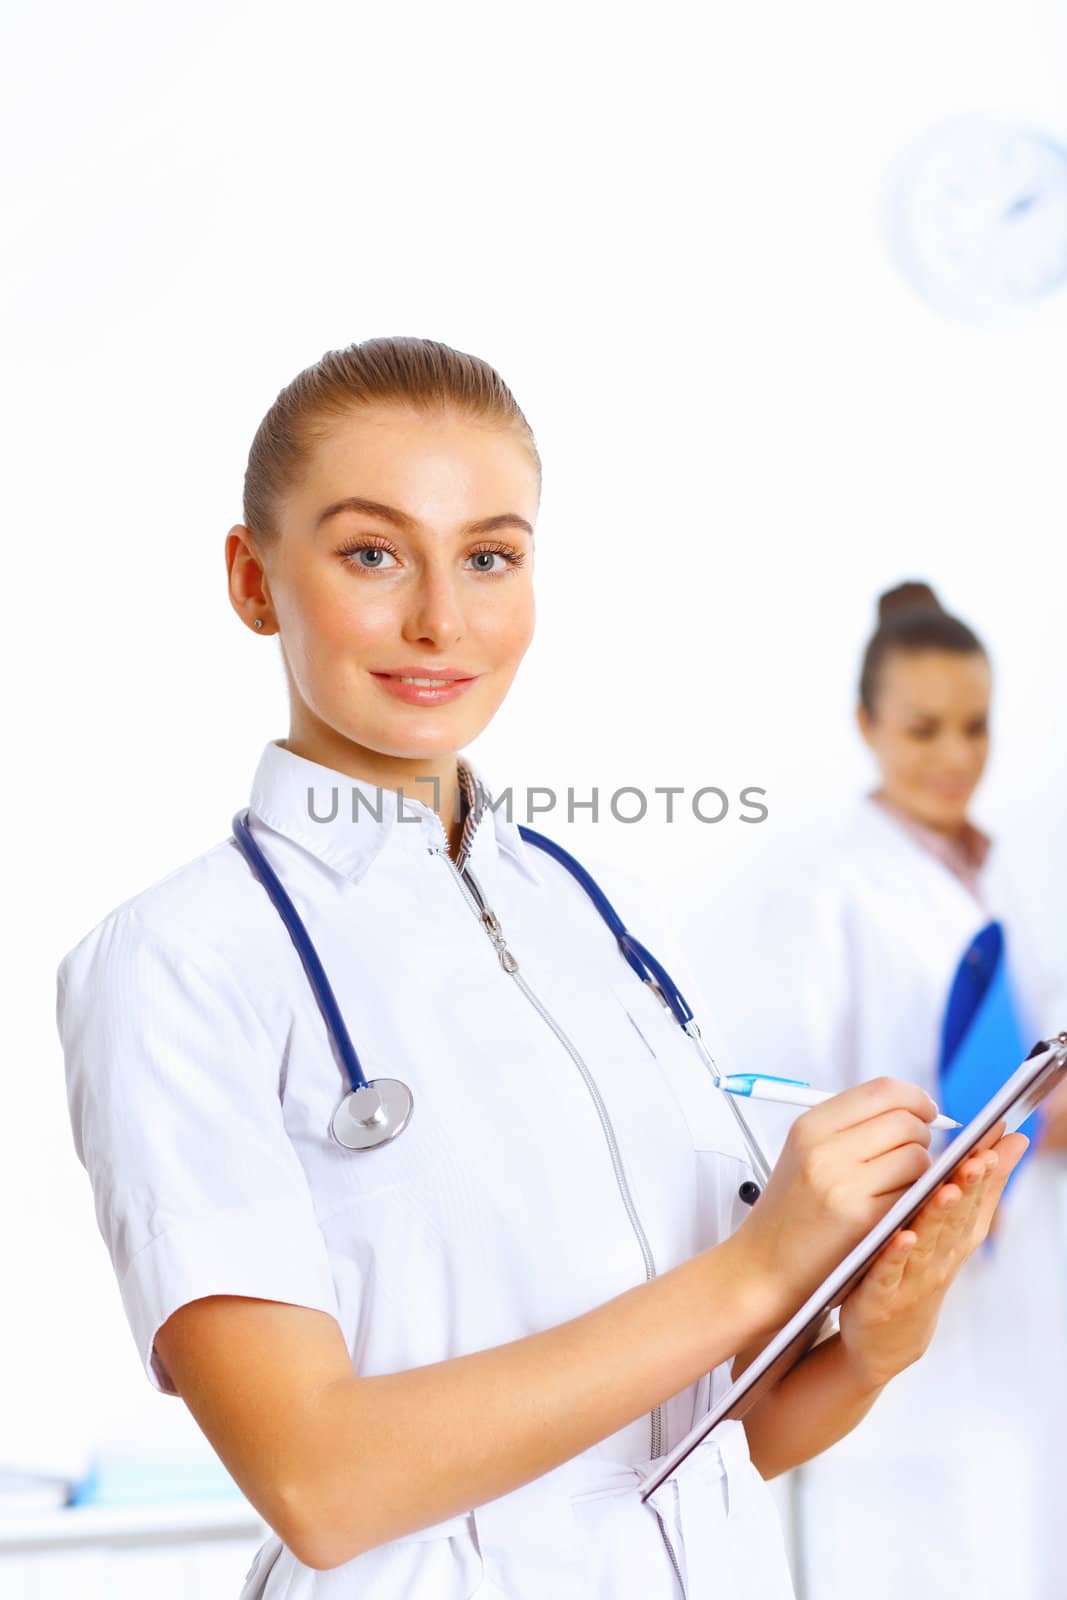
(1012, 1103)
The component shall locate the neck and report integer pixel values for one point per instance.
(433, 780)
(955, 829)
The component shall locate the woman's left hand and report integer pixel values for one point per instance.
(888, 1320)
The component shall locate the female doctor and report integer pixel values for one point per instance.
(971, 1444)
(440, 1366)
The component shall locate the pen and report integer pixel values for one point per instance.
(793, 1092)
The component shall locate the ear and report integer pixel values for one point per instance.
(247, 581)
(865, 724)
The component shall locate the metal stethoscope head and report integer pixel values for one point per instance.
(375, 1110)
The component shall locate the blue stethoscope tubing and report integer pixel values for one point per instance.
(376, 1110)
(320, 983)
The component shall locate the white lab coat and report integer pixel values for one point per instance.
(952, 1484)
(201, 1086)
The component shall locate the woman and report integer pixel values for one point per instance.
(864, 953)
(440, 1367)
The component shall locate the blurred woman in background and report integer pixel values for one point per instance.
(897, 951)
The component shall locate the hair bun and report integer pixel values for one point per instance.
(912, 596)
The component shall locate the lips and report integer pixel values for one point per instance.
(429, 682)
(949, 790)
(426, 686)
(437, 674)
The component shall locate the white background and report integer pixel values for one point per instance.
(662, 225)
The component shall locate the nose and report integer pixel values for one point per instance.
(956, 754)
(436, 609)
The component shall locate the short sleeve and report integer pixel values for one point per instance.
(172, 1087)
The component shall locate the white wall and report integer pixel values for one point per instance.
(662, 225)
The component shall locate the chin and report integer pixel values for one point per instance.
(941, 810)
(434, 738)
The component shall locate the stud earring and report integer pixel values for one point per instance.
(258, 623)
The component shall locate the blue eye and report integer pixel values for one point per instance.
(479, 557)
(511, 559)
(378, 552)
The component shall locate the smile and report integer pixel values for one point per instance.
(423, 691)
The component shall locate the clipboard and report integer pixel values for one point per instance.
(1012, 1103)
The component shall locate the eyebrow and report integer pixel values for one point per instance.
(400, 519)
(918, 715)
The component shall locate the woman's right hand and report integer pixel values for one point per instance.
(843, 1165)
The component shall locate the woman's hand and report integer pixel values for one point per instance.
(888, 1320)
(843, 1165)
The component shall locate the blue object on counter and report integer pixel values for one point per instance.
(120, 1480)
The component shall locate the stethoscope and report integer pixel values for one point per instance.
(376, 1110)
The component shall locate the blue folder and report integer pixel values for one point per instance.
(982, 1036)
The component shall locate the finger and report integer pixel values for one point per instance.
(967, 1221)
(885, 1274)
(1009, 1153)
(890, 1130)
(970, 1180)
(988, 1140)
(967, 1189)
(940, 1218)
(930, 1223)
(866, 1100)
(896, 1170)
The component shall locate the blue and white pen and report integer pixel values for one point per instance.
(792, 1092)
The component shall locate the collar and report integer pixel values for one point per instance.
(965, 854)
(347, 821)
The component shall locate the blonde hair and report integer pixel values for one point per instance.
(422, 373)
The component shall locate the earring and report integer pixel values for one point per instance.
(258, 623)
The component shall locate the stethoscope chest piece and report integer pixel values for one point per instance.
(373, 1114)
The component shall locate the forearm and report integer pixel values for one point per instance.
(820, 1400)
(386, 1455)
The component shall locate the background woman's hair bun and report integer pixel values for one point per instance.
(911, 619)
(911, 596)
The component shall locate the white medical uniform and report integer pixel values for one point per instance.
(952, 1485)
(201, 1086)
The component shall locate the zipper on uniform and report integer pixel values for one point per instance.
(468, 884)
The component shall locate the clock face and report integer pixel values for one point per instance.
(978, 216)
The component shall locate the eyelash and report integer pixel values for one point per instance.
(514, 558)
